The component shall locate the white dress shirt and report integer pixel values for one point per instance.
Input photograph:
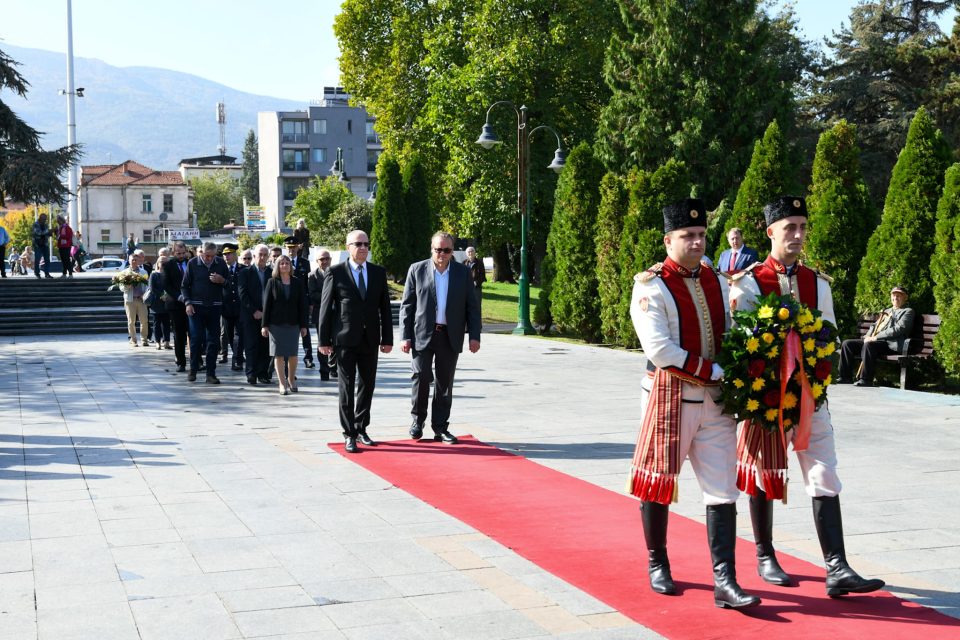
(441, 284)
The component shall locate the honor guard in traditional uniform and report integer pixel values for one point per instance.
(680, 311)
(761, 455)
(231, 337)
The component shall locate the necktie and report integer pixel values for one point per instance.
(361, 284)
(733, 260)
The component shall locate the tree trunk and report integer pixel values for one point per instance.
(502, 272)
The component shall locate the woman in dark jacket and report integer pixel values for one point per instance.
(158, 305)
(284, 321)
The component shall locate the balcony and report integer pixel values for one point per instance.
(373, 138)
(299, 138)
(296, 166)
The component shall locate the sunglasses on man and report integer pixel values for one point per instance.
(446, 250)
(360, 245)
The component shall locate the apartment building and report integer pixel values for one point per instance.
(295, 146)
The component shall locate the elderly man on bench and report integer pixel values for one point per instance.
(885, 337)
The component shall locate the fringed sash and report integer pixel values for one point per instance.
(656, 459)
(761, 452)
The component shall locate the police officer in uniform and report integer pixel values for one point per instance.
(761, 453)
(682, 416)
(231, 337)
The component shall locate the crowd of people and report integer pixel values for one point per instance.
(36, 255)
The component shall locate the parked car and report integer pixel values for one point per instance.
(103, 265)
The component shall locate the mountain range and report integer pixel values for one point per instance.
(154, 116)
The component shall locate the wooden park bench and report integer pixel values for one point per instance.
(919, 346)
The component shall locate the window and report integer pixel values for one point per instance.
(292, 185)
(104, 235)
(371, 185)
(147, 201)
(349, 126)
(148, 235)
(373, 155)
(168, 203)
(318, 156)
(296, 160)
(293, 131)
(320, 126)
(372, 137)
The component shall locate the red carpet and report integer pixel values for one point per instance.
(592, 538)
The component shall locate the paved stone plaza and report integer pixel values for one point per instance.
(134, 504)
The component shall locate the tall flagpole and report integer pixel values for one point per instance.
(71, 121)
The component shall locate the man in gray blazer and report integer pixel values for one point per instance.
(438, 305)
(885, 337)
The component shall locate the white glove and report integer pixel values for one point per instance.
(717, 372)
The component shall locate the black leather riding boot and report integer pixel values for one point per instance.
(841, 579)
(761, 516)
(722, 537)
(655, 516)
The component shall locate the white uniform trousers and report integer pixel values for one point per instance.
(709, 439)
(818, 463)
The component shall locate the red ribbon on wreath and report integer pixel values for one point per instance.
(792, 360)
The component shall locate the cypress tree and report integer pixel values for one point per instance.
(610, 215)
(641, 243)
(716, 227)
(250, 178)
(573, 295)
(388, 238)
(841, 218)
(419, 212)
(899, 250)
(945, 267)
(766, 178)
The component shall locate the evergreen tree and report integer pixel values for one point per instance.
(610, 215)
(889, 59)
(573, 292)
(899, 250)
(388, 238)
(697, 80)
(27, 172)
(945, 267)
(841, 218)
(250, 179)
(422, 221)
(766, 179)
(717, 223)
(641, 243)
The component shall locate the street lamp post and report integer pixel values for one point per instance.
(337, 168)
(488, 139)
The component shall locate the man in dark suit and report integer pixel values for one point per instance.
(301, 270)
(438, 303)
(885, 337)
(315, 280)
(173, 272)
(230, 334)
(250, 284)
(202, 291)
(355, 318)
(738, 257)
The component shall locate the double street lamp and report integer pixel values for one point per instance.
(488, 139)
(337, 168)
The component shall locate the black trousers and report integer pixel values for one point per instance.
(356, 367)
(437, 364)
(178, 316)
(66, 262)
(256, 349)
(327, 364)
(307, 347)
(231, 337)
(204, 332)
(869, 352)
(3, 261)
(161, 327)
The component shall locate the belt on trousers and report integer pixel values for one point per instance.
(437, 328)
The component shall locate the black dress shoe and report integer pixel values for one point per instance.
(366, 440)
(223, 359)
(192, 376)
(844, 381)
(324, 377)
(252, 380)
(416, 430)
(351, 445)
(263, 380)
(236, 367)
(309, 363)
(446, 436)
(862, 383)
(181, 368)
(333, 373)
(213, 380)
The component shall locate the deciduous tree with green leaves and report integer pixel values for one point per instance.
(767, 177)
(945, 266)
(841, 218)
(216, 199)
(250, 180)
(317, 205)
(572, 293)
(899, 250)
(641, 243)
(388, 237)
(610, 215)
(698, 80)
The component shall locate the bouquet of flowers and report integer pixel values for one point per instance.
(128, 278)
(776, 363)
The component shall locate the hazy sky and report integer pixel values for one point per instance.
(281, 49)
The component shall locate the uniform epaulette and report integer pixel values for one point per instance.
(823, 277)
(649, 274)
(744, 272)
